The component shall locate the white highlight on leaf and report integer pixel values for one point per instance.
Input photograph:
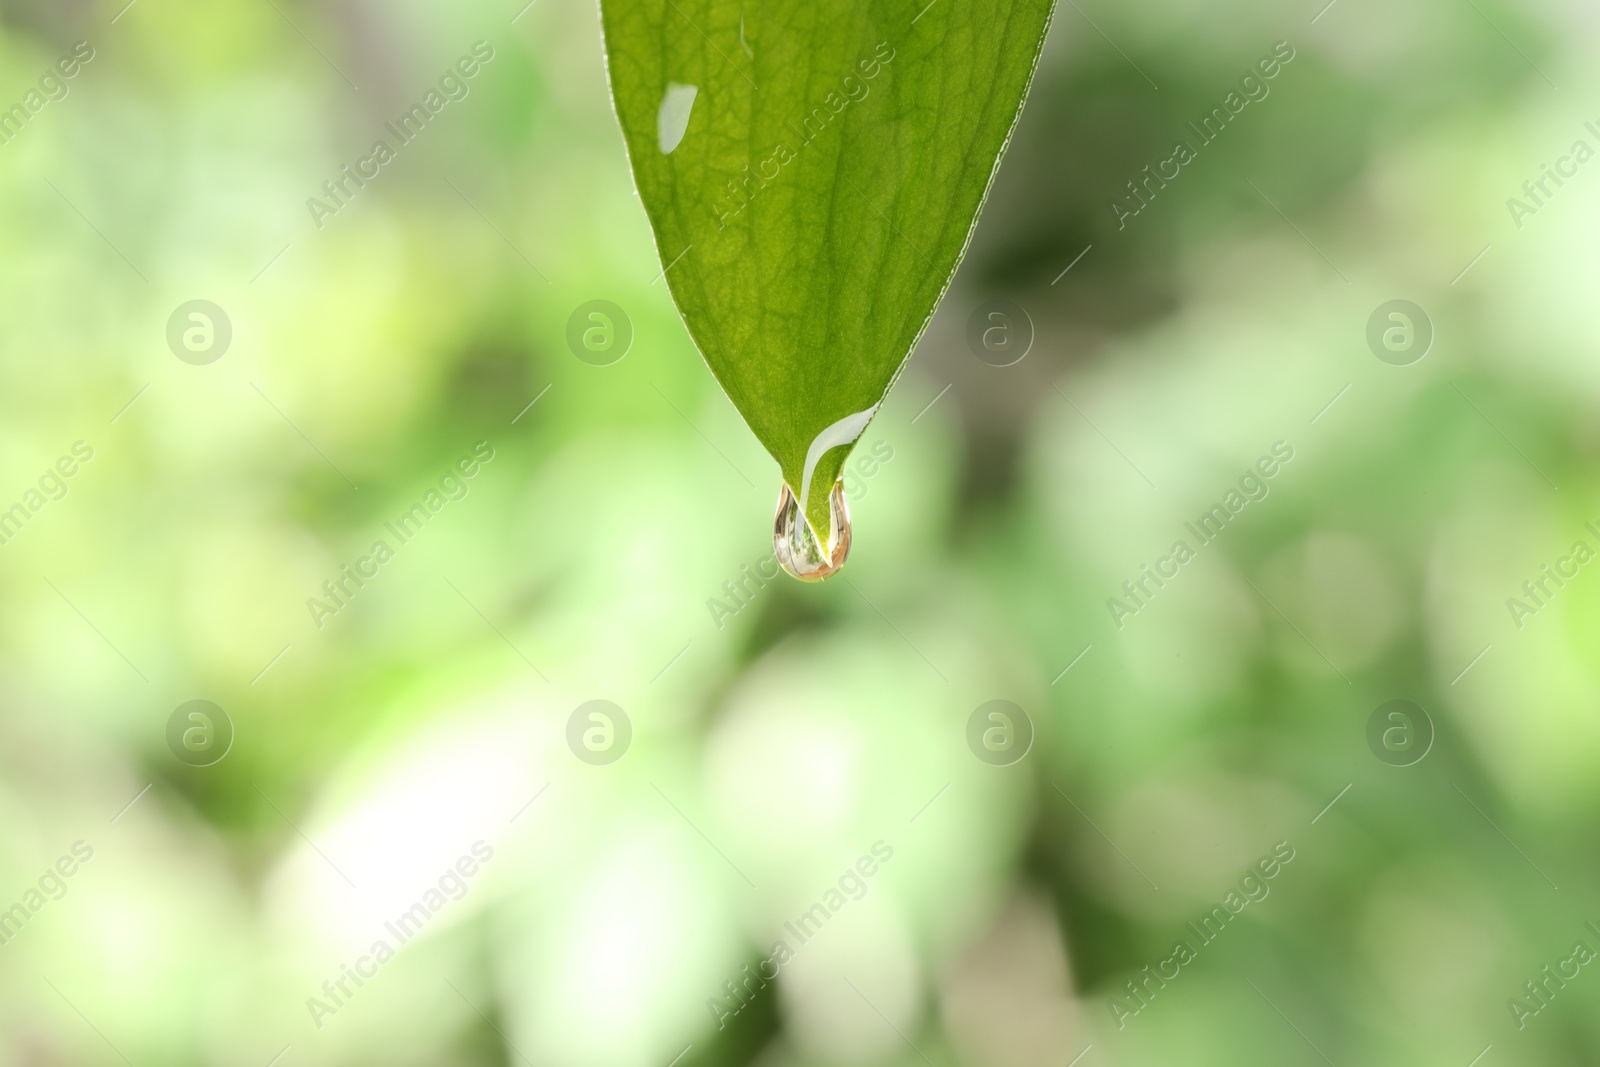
(843, 432)
(673, 118)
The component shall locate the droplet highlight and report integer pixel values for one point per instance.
(796, 545)
(672, 121)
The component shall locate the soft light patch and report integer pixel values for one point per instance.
(673, 118)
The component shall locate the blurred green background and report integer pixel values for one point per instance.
(377, 758)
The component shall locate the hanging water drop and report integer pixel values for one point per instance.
(795, 543)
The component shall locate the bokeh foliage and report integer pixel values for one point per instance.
(770, 752)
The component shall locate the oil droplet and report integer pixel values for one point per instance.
(795, 543)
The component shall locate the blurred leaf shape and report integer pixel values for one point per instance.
(812, 175)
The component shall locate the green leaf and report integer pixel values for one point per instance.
(812, 173)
